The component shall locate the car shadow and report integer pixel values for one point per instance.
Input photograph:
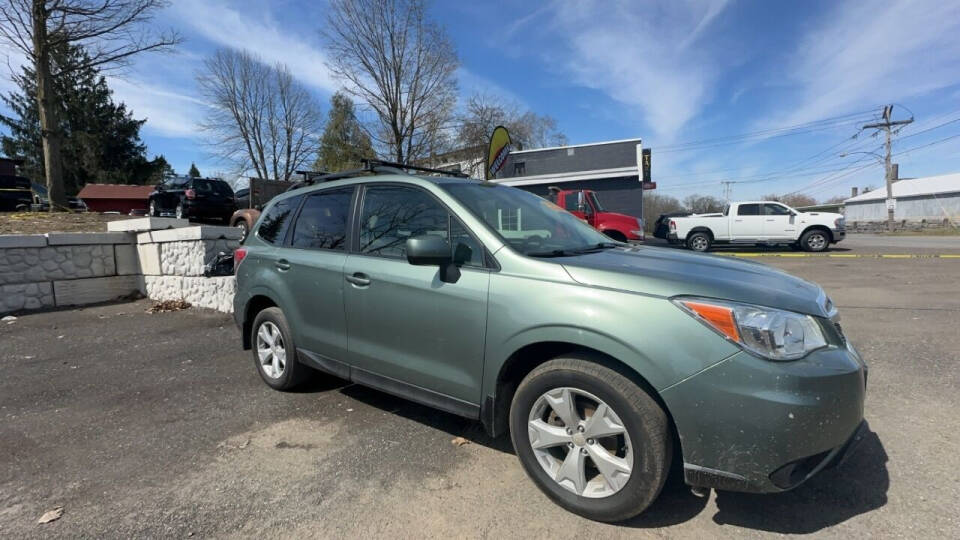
(456, 426)
(856, 487)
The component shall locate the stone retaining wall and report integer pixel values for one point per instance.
(159, 257)
(64, 269)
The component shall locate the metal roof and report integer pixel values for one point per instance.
(114, 191)
(914, 187)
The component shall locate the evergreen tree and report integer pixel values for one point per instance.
(344, 143)
(194, 171)
(101, 139)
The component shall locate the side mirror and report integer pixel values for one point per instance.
(433, 251)
(428, 250)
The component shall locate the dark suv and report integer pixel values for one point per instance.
(193, 198)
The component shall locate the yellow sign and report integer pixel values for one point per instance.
(499, 149)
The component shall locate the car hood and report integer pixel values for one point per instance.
(670, 272)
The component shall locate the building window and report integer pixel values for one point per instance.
(519, 168)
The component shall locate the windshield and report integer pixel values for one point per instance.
(597, 207)
(529, 224)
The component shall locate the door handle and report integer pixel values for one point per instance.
(739, 220)
(359, 279)
(771, 220)
(283, 265)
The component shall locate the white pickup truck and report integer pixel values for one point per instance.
(758, 222)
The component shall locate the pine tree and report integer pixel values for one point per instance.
(344, 143)
(194, 171)
(101, 139)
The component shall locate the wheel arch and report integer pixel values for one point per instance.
(256, 304)
(614, 233)
(701, 229)
(817, 226)
(495, 409)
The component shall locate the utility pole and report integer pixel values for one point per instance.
(727, 189)
(887, 126)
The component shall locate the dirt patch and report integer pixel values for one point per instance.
(44, 222)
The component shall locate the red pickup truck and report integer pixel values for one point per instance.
(585, 205)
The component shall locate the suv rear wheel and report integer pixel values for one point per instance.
(591, 439)
(154, 209)
(179, 211)
(274, 352)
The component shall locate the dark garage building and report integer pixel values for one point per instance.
(609, 168)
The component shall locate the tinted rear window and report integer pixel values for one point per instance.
(322, 223)
(748, 210)
(14, 182)
(214, 187)
(274, 224)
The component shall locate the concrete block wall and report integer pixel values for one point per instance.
(160, 257)
(63, 269)
(172, 262)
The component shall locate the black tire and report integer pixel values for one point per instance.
(815, 240)
(644, 420)
(699, 241)
(293, 373)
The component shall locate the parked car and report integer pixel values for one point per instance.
(661, 227)
(585, 204)
(244, 219)
(605, 362)
(241, 198)
(15, 193)
(193, 198)
(758, 222)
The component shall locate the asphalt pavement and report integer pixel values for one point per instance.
(157, 425)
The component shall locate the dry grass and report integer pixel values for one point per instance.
(44, 222)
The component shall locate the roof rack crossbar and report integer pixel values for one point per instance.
(369, 166)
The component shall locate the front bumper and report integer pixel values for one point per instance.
(838, 234)
(749, 424)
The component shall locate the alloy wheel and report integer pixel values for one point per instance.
(699, 243)
(271, 350)
(816, 241)
(580, 442)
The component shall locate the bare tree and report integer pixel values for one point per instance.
(260, 118)
(703, 204)
(795, 200)
(111, 31)
(484, 112)
(401, 65)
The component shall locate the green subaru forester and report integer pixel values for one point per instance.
(605, 361)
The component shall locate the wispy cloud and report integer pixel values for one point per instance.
(868, 53)
(639, 54)
(169, 113)
(227, 24)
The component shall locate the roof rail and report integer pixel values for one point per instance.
(369, 166)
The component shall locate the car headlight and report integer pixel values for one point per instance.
(774, 334)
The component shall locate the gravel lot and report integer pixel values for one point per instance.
(157, 425)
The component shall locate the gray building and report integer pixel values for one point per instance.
(610, 168)
(930, 199)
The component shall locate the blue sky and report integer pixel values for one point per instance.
(671, 72)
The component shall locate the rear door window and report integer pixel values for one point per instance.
(322, 223)
(274, 224)
(213, 187)
(748, 210)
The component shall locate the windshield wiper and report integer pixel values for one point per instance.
(553, 253)
(598, 247)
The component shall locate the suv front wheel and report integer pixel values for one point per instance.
(274, 352)
(591, 439)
